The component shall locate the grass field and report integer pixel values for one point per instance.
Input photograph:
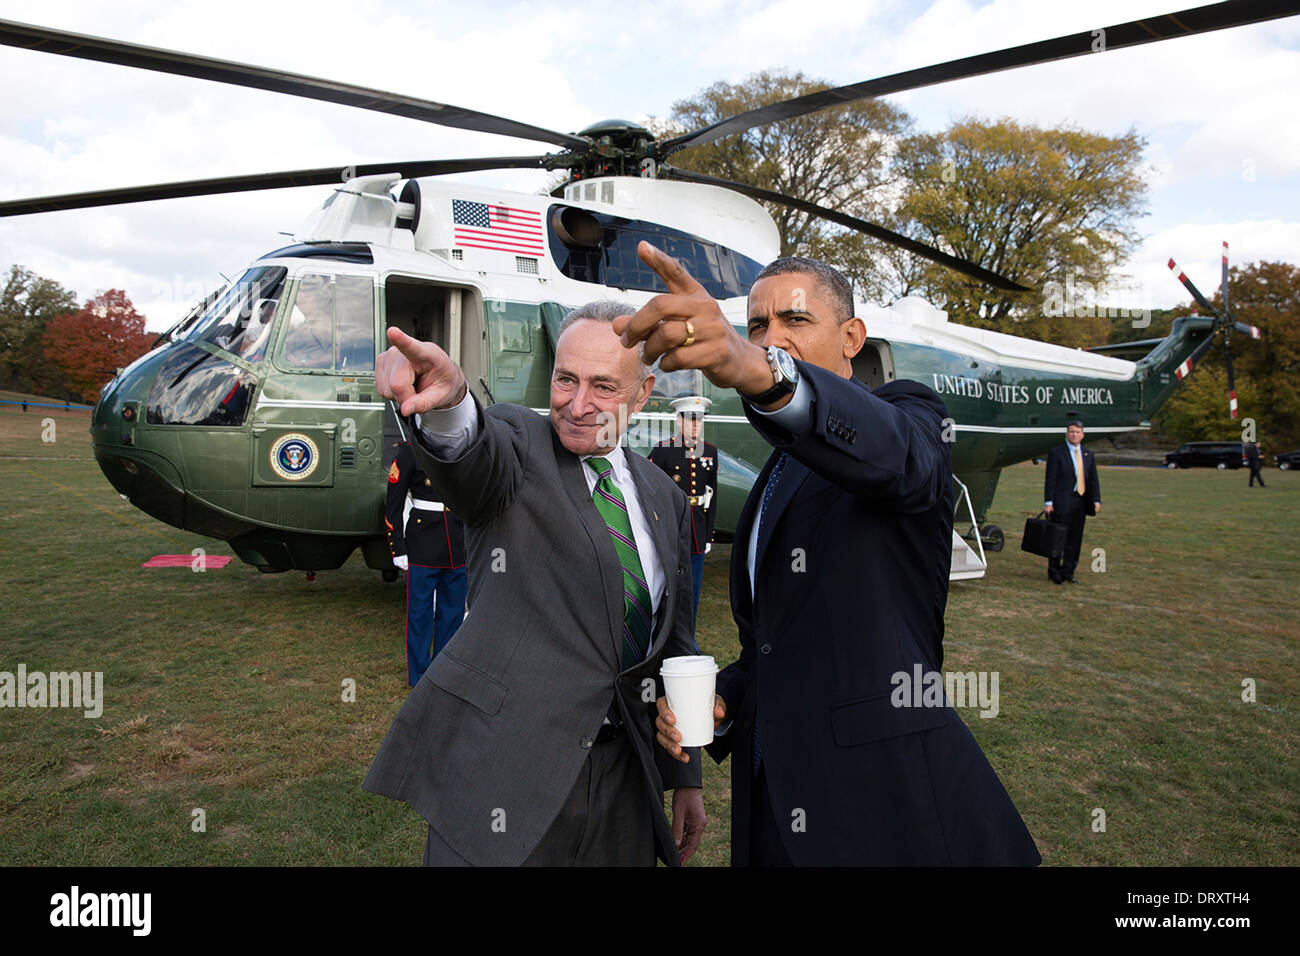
(223, 689)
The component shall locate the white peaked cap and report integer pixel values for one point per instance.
(691, 405)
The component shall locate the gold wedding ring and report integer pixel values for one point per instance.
(690, 335)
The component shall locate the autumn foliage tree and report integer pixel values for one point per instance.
(837, 157)
(1039, 206)
(28, 302)
(89, 345)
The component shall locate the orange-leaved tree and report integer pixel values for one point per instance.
(89, 345)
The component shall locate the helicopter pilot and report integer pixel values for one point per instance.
(692, 463)
(427, 541)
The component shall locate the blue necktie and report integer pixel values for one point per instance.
(772, 481)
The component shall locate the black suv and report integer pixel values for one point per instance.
(1288, 460)
(1208, 454)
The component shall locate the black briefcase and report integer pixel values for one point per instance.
(1043, 536)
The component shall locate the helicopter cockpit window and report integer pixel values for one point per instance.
(332, 324)
(240, 321)
(612, 260)
(195, 387)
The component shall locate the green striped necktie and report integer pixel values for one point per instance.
(636, 593)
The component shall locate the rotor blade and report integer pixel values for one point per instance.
(46, 40)
(1252, 330)
(1201, 300)
(1189, 363)
(1217, 16)
(328, 176)
(1232, 385)
(852, 222)
(1223, 283)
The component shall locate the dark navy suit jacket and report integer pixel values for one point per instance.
(851, 583)
(1058, 482)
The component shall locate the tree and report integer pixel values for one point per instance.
(89, 345)
(27, 304)
(1038, 206)
(838, 157)
(1267, 372)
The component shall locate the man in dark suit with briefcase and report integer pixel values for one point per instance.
(1071, 492)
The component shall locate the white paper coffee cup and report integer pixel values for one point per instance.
(689, 686)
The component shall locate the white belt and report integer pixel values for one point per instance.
(422, 505)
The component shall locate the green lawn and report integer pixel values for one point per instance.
(223, 688)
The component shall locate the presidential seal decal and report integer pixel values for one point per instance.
(294, 456)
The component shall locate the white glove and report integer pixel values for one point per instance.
(708, 548)
(402, 561)
(708, 498)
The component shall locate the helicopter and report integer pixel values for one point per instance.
(255, 420)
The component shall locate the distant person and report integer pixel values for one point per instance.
(24, 406)
(427, 542)
(1071, 492)
(1253, 457)
(692, 463)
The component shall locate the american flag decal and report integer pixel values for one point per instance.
(482, 225)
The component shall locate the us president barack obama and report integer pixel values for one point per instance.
(839, 579)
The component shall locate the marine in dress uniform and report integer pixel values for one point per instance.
(428, 542)
(692, 463)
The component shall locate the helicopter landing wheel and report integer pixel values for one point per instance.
(389, 574)
(993, 538)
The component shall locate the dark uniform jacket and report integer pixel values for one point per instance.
(432, 539)
(693, 475)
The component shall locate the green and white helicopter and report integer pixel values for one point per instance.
(255, 419)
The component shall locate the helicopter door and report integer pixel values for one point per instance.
(873, 364)
(449, 316)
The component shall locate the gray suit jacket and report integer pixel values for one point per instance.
(491, 740)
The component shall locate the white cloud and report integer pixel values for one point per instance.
(1196, 248)
(1209, 104)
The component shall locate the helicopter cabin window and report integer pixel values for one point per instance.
(331, 324)
(514, 322)
(240, 321)
(680, 384)
(601, 248)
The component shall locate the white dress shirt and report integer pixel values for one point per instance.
(795, 417)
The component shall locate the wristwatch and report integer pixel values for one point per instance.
(785, 375)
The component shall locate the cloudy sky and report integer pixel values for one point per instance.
(1223, 160)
